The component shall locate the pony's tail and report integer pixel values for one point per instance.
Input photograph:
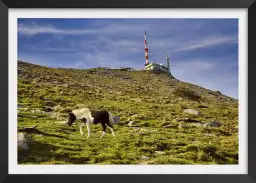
(111, 120)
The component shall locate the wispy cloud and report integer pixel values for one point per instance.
(42, 48)
(114, 36)
(35, 29)
(49, 29)
(58, 49)
(207, 42)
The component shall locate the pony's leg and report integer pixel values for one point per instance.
(104, 130)
(112, 131)
(84, 121)
(81, 130)
(88, 129)
(111, 128)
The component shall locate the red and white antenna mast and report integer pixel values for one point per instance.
(146, 48)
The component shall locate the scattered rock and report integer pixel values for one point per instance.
(144, 158)
(182, 119)
(192, 111)
(196, 124)
(22, 110)
(144, 130)
(213, 124)
(134, 116)
(160, 152)
(47, 99)
(130, 123)
(37, 111)
(153, 130)
(118, 93)
(137, 100)
(24, 140)
(21, 106)
(136, 128)
(210, 135)
(60, 122)
(170, 126)
(65, 85)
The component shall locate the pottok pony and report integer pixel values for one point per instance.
(89, 117)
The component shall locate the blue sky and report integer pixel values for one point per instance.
(201, 51)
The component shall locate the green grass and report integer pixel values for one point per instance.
(155, 99)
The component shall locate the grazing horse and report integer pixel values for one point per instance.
(89, 117)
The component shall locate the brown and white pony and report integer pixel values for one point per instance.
(89, 117)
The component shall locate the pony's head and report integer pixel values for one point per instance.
(71, 118)
(116, 119)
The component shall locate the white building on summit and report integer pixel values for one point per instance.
(159, 67)
(154, 66)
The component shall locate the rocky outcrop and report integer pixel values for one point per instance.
(24, 141)
(192, 111)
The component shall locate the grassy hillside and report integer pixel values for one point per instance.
(162, 133)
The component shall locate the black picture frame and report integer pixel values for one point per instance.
(250, 5)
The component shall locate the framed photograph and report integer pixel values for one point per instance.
(123, 91)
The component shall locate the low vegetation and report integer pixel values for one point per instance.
(161, 132)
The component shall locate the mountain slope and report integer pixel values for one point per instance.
(162, 132)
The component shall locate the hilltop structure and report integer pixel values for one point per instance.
(155, 66)
(126, 69)
(159, 67)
